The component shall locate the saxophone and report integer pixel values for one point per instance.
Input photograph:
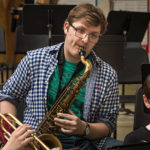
(65, 100)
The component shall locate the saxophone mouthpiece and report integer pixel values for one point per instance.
(82, 51)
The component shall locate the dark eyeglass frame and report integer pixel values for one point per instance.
(82, 34)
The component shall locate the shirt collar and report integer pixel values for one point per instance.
(95, 59)
(55, 48)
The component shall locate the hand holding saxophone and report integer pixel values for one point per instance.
(71, 125)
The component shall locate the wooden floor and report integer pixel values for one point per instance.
(125, 122)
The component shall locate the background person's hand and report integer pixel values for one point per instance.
(20, 138)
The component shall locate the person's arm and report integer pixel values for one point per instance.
(97, 130)
(7, 107)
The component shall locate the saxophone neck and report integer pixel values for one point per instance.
(86, 62)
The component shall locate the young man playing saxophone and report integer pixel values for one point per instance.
(92, 117)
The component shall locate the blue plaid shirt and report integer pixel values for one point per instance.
(30, 81)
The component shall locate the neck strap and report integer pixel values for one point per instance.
(61, 60)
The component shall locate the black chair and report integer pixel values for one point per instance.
(110, 49)
(1, 86)
(131, 73)
(141, 118)
(23, 42)
(3, 65)
(5, 72)
(2, 44)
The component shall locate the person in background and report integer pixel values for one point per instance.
(93, 115)
(141, 134)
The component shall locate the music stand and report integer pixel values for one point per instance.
(132, 25)
(116, 23)
(138, 26)
(45, 19)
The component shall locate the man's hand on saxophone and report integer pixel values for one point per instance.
(71, 124)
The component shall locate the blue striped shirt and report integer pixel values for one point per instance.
(30, 81)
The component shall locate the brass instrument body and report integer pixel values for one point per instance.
(39, 141)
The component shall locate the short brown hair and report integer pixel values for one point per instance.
(92, 14)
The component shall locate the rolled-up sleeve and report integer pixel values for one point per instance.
(110, 105)
(112, 101)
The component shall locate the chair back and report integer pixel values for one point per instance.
(2, 46)
(23, 42)
(133, 60)
(110, 49)
(1, 86)
(2, 41)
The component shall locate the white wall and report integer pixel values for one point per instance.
(75, 2)
(104, 5)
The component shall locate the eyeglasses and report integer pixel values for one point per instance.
(93, 37)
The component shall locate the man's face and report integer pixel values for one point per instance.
(73, 42)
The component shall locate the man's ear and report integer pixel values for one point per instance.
(146, 102)
(66, 27)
